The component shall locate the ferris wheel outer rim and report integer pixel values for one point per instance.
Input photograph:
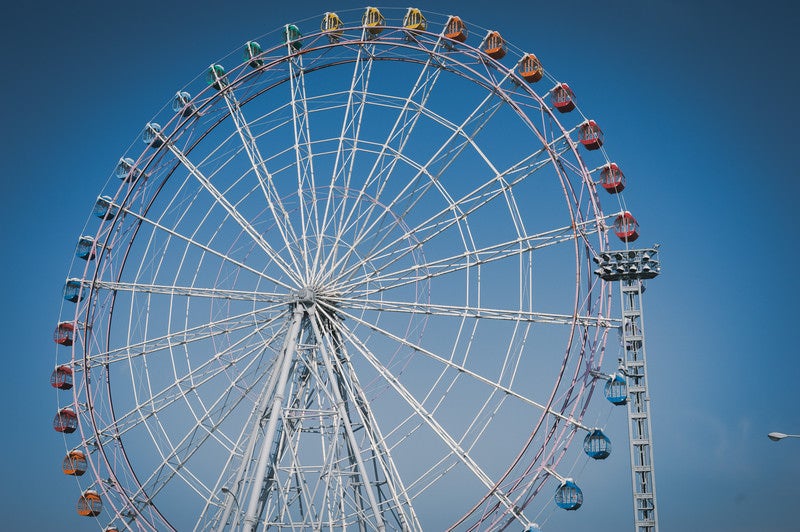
(574, 148)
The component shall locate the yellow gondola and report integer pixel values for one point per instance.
(332, 26)
(414, 20)
(373, 20)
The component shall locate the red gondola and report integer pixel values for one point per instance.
(590, 135)
(563, 98)
(61, 378)
(66, 421)
(626, 227)
(64, 333)
(612, 179)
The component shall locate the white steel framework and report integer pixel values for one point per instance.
(326, 293)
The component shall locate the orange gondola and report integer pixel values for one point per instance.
(455, 29)
(90, 504)
(74, 464)
(530, 68)
(493, 45)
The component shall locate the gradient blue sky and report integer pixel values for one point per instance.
(698, 104)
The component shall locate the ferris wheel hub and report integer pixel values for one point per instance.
(306, 296)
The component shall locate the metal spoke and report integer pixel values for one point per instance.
(467, 259)
(179, 338)
(202, 374)
(189, 291)
(458, 367)
(478, 118)
(473, 312)
(304, 159)
(455, 449)
(400, 133)
(205, 248)
(222, 201)
(469, 203)
(189, 445)
(345, 157)
(271, 195)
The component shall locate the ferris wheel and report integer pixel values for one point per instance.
(345, 282)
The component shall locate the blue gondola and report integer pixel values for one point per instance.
(182, 103)
(616, 390)
(292, 35)
(251, 52)
(569, 496)
(104, 208)
(85, 249)
(215, 76)
(72, 290)
(597, 445)
(125, 170)
(151, 135)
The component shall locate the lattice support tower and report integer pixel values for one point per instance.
(631, 268)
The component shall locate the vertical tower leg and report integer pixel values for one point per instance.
(641, 446)
(256, 499)
(630, 267)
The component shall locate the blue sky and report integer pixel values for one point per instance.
(695, 99)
